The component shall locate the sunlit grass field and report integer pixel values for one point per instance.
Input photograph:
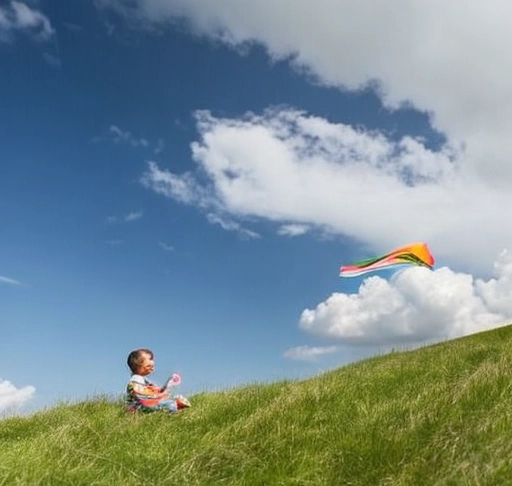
(440, 415)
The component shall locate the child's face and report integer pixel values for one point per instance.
(147, 365)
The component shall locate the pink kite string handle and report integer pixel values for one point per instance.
(175, 379)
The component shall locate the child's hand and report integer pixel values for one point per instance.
(175, 379)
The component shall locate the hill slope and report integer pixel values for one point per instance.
(440, 415)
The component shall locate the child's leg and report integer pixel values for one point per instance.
(171, 405)
(168, 404)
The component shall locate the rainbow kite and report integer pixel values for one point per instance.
(414, 254)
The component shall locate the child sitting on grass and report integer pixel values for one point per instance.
(145, 396)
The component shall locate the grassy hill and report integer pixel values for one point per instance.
(440, 415)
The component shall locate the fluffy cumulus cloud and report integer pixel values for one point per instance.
(13, 398)
(415, 306)
(300, 171)
(453, 66)
(18, 17)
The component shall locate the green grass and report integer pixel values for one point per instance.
(440, 415)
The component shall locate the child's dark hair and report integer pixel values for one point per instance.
(135, 358)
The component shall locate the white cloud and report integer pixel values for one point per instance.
(126, 218)
(12, 398)
(52, 60)
(343, 180)
(230, 225)
(9, 281)
(125, 137)
(133, 216)
(416, 306)
(293, 229)
(19, 17)
(309, 353)
(166, 246)
(121, 136)
(183, 188)
(115, 242)
(159, 148)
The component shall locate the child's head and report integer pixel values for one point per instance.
(140, 362)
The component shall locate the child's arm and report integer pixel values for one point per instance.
(174, 380)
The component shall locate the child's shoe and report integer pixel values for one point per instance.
(182, 402)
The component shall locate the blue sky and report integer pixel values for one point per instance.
(189, 177)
